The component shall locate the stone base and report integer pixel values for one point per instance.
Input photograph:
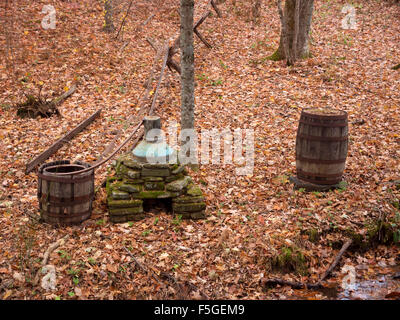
(309, 187)
(135, 182)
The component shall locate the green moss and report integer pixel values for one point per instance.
(126, 211)
(154, 185)
(313, 235)
(188, 207)
(290, 259)
(189, 199)
(109, 182)
(123, 203)
(194, 190)
(153, 195)
(276, 56)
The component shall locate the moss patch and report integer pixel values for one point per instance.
(290, 259)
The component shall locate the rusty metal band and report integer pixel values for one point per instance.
(324, 117)
(317, 138)
(313, 174)
(63, 179)
(63, 202)
(319, 161)
(61, 215)
(329, 125)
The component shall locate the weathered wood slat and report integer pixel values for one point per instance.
(58, 144)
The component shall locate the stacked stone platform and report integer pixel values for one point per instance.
(135, 182)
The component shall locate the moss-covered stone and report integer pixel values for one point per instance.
(156, 165)
(131, 188)
(121, 170)
(154, 185)
(147, 172)
(194, 191)
(132, 174)
(126, 211)
(132, 181)
(109, 182)
(130, 163)
(188, 199)
(179, 169)
(153, 179)
(188, 207)
(123, 203)
(179, 185)
(126, 218)
(290, 259)
(120, 195)
(174, 177)
(152, 195)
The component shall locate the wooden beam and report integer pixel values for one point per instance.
(58, 144)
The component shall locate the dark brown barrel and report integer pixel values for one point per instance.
(66, 199)
(321, 146)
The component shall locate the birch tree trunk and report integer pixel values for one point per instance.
(108, 16)
(187, 63)
(294, 32)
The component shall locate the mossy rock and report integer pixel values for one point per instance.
(162, 172)
(133, 174)
(290, 259)
(188, 207)
(154, 185)
(132, 181)
(130, 188)
(179, 185)
(112, 204)
(125, 211)
(313, 235)
(109, 182)
(179, 169)
(156, 165)
(127, 218)
(153, 179)
(174, 177)
(120, 195)
(154, 195)
(188, 199)
(194, 191)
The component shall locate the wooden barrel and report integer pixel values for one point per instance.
(321, 146)
(66, 199)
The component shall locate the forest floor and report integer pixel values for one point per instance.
(257, 226)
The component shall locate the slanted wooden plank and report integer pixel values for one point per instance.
(58, 144)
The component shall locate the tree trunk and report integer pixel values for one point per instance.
(297, 43)
(187, 63)
(108, 16)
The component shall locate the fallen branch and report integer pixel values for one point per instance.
(141, 266)
(345, 246)
(58, 144)
(64, 96)
(46, 256)
(311, 286)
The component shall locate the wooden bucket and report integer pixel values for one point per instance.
(321, 146)
(66, 199)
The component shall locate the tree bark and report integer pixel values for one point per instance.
(108, 16)
(187, 64)
(295, 32)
